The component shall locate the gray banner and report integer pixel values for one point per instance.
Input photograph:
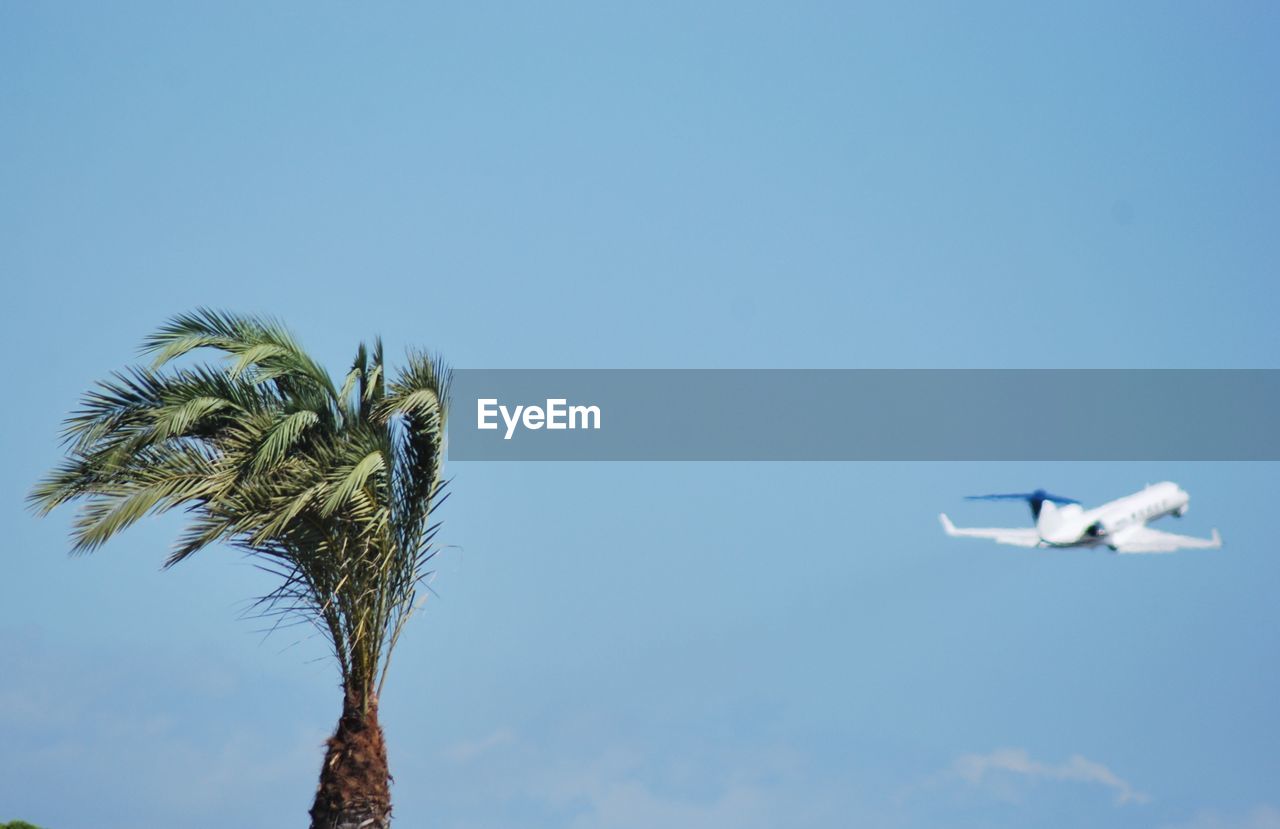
(871, 414)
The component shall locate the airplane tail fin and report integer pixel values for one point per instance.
(1038, 500)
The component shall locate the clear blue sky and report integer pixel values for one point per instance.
(658, 185)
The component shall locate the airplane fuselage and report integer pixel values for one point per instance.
(1070, 525)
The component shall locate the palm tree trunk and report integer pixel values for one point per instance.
(354, 791)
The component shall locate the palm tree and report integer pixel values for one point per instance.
(330, 488)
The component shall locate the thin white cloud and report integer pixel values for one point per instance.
(613, 791)
(632, 804)
(979, 769)
(628, 787)
(469, 750)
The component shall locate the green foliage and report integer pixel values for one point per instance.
(18, 824)
(332, 489)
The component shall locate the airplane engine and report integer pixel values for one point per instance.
(1096, 530)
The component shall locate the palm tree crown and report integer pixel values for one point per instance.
(331, 487)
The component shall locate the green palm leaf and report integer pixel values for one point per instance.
(332, 487)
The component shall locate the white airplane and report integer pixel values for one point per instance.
(1121, 524)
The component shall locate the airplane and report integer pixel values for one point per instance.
(1120, 525)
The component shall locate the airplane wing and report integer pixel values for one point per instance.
(1147, 540)
(1018, 536)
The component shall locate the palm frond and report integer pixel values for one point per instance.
(330, 489)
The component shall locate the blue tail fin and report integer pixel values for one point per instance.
(1035, 499)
